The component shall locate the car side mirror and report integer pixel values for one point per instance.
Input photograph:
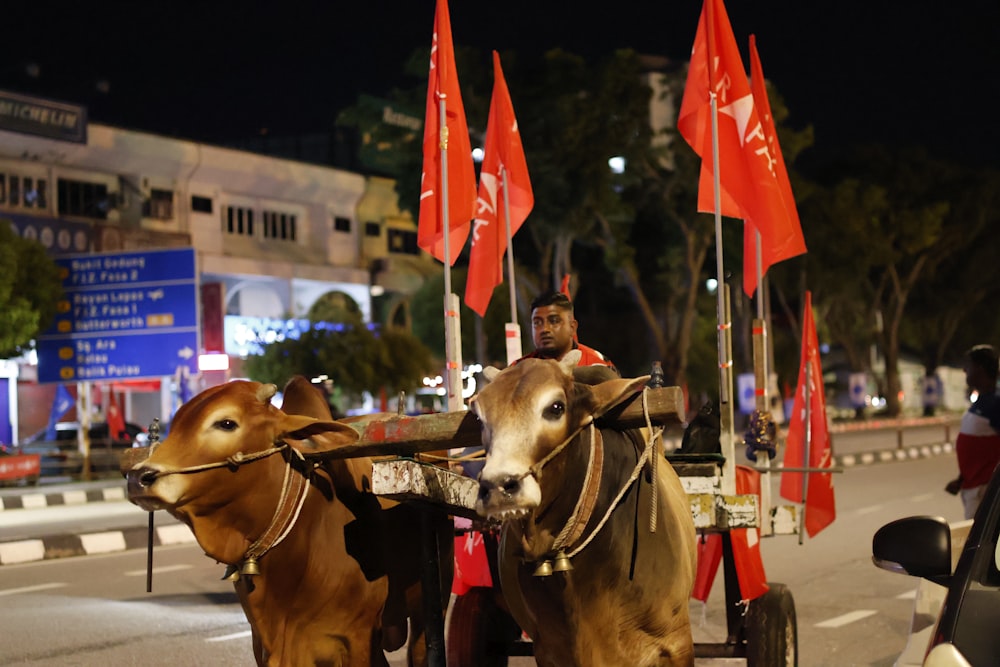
(918, 545)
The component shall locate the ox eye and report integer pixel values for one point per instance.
(226, 424)
(554, 411)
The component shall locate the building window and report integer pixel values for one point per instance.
(159, 206)
(201, 204)
(81, 198)
(239, 220)
(402, 242)
(341, 224)
(372, 229)
(279, 226)
(25, 191)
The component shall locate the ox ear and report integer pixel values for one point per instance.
(313, 435)
(612, 392)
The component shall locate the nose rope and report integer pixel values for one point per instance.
(234, 461)
(648, 456)
(536, 470)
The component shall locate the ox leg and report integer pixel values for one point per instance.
(431, 583)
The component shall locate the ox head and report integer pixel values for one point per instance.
(210, 435)
(526, 412)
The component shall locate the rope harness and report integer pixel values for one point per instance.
(585, 505)
(294, 490)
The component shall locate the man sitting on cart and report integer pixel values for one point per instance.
(553, 331)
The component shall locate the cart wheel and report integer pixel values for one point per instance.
(479, 632)
(771, 629)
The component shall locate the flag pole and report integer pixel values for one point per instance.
(761, 376)
(725, 363)
(512, 330)
(806, 463)
(452, 323)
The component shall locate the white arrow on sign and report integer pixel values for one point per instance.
(185, 352)
(155, 295)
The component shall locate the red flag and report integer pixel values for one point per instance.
(443, 85)
(796, 245)
(746, 550)
(820, 509)
(503, 153)
(749, 185)
(114, 417)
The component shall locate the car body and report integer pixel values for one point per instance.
(133, 435)
(966, 628)
(61, 457)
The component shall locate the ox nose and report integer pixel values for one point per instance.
(141, 478)
(508, 485)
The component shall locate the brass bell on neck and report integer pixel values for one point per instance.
(250, 567)
(544, 569)
(561, 563)
(232, 573)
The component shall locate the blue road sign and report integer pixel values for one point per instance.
(123, 316)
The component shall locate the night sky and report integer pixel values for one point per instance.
(859, 70)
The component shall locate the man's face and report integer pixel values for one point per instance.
(552, 330)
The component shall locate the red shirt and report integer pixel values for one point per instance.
(588, 357)
(978, 443)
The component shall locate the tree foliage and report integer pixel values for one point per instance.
(899, 249)
(30, 289)
(356, 358)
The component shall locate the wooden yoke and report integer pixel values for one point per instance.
(406, 436)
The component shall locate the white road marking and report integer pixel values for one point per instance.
(226, 638)
(32, 589)
(158, 570)
(922, 497)
(870, 509)
(908, 595)
(844, 619)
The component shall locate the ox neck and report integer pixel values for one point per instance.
(570, 488)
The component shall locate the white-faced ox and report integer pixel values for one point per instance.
(566, 491)
(339, 569)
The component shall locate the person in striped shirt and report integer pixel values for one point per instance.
(978, 444)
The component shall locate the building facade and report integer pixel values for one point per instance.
(272, 237)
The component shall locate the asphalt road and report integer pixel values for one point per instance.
(93, 610)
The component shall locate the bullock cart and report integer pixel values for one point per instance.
(482, 632)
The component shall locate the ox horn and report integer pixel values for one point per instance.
(561, 563)
(250, 567)
(266, 392)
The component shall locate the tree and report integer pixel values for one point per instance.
(951, 310)
(30, 289)
(350, 354)
(881, 231)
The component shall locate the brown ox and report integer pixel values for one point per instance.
(553, 480)
(339, 568)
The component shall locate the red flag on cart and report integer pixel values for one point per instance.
(820, 508)
(114, 417)
(746, 550)
(442, 85)
(503, 154)
(797, 244)
(749, 187)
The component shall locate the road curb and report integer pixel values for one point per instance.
(86, 544)
(42, 499)
(893, 455)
